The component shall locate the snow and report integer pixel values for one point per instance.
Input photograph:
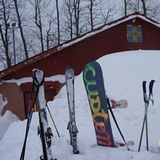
(59, 78)
(5, 121)
(123, 75)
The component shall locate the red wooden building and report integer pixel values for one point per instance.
(128, 33)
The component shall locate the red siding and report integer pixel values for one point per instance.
(106, 42)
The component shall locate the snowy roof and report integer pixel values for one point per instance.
(54, 50)
(108, 26)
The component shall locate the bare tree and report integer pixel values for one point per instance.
(91, 13)
(42, 25)
(82, 16)
(6, 45)
(51, 31)
(68, 14)
(21, 29)
(96, 12)
(4, 29)
(58, 21)
(77, 10)
(125, 7)
(71, 18)
(99, 12)
(149, 8)
(131, 6)
(48, 36)
(38, 21)
(144, 7)
(108, 14)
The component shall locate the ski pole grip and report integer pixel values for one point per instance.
(151, 86)
(144, 86)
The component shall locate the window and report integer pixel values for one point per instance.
(134, 34)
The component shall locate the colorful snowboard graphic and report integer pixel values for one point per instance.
(94, 84)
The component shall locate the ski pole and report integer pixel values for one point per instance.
(53, 121)
(114, 118)
(147, 105)
(146, 101)
(140, 141)
(151, 91)
(32, 101)
(145, 98)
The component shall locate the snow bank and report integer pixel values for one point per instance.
(123, 75)
(5, 121)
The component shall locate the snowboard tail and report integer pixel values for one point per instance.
(94, 85)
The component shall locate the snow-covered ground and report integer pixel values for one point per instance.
(5, 121)
(123, 75)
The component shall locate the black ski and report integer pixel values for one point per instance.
(72, 127)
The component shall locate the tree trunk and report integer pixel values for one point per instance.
(38, 22)
(21, 30)
(144, 7)
(91, 14)
(125, 7)
(5, 44)
(4, 33)
(58, 22)
(71, 19)
(76, 7)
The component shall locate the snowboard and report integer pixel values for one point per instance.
(94, 85)
(72, 127)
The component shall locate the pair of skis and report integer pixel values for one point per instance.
(44, 130)
(147, 99)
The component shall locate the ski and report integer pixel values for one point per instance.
(44, 130)
(72, 127)
(94, 85)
